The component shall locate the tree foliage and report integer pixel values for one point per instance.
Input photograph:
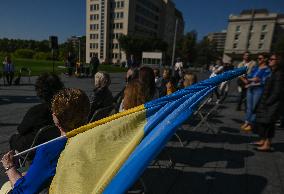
(206, 52)
(136, 45)
(186, 47)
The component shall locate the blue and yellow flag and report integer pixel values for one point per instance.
(109, 155)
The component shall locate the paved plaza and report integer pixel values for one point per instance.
(208, 163)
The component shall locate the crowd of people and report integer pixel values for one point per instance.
(68, 109)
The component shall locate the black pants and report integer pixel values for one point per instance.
(265, 130)
(9, 77)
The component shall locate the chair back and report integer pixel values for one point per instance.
(101, 113)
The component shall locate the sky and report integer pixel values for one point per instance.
(38, 19)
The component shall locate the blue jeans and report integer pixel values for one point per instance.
(253, 97)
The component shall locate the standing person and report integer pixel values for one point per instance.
(147, 78)
(267, 111)
(178, 70)
(255, 82)
(70, 109)
(70, 63)
(158, 79)
(9, 70)
(132, 63)
(216, 69)
(247, 62)
(94, 63)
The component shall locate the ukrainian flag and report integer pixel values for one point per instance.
(109, 155)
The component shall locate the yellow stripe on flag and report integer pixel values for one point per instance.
(91, 159)
(104, 120)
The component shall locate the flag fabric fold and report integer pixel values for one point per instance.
(108, 156)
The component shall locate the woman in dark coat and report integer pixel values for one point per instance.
(102, 96)
(267, 111)
(38, 116)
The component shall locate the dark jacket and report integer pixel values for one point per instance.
(101, 98)
(267, 111)
(37, 117)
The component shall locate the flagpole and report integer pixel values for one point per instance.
(174, 44)
(38, 146)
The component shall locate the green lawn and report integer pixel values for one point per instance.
(37, 66)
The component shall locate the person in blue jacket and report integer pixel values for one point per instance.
(70, 109)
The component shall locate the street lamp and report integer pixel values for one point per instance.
(79, 45)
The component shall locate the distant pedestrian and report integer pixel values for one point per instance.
(9, 70)
(94, 63)
(70, 63)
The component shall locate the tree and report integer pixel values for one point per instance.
(186, 47)
(206, 52)
(279, 46)
(134, 45)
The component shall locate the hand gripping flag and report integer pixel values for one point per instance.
(109, 155)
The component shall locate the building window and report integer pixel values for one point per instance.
(238, 28)
(94, 36)
(262, 37)
(260, 46)
(237, 37)
(235, 45)
(251, 28)
(264, 27)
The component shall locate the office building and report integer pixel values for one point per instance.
(107, 20)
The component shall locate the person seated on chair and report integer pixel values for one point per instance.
(134, 95)
(70, 109)
(38, 116)
(102, 96)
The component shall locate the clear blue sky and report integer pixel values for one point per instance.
(37, 19)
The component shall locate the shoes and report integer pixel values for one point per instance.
(248, 128)
(244, 126)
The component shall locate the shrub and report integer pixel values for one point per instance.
(24, 53)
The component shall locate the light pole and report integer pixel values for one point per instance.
(79, 49)
(174, 45)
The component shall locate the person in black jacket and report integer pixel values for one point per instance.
(38, 116)
(102, 96)
(267, 111)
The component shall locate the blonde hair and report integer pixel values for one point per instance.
(71, 107)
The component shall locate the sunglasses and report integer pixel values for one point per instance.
(272, 59)
(260, 58)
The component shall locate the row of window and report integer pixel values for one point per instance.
(146, 13)
(94, 26)
(93, 54)
(117, 15)
(260, 45)
(94, 7)
(116, 35)
(263, 28)
(145, 31)
(94, 45)
(117, 25)
(114, 46)
(141, 20)
(117, 4)
(115, 56)
(150, 5)
(94, 16)
(262, 36)
(94, 36)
